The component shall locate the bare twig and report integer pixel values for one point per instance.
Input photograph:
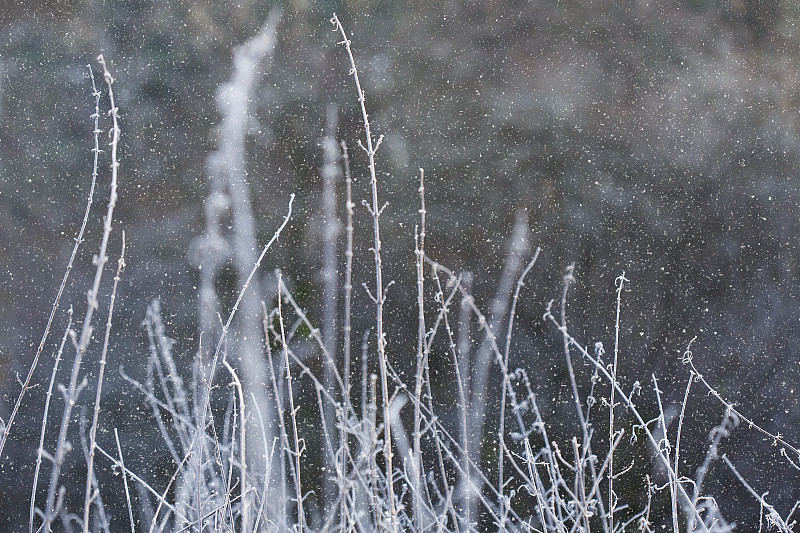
(380, 295)
(82, 343)
(773, 517)
(78, 240)
(505, 386)
(245, 512)
(99, 392)
(40, 452)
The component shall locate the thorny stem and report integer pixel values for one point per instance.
(82, 344)
(379, 296)
(78, 241)
(775, 438)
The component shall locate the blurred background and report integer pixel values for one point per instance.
(660, 139)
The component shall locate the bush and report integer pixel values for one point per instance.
(279, 426)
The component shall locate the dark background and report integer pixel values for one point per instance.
(656, 138)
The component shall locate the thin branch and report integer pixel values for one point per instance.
(96, 417)
(379, 287)
(78, 241)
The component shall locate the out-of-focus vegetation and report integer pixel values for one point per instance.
(658, 138)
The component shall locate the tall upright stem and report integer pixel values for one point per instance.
(380, 295)
(81, 344)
